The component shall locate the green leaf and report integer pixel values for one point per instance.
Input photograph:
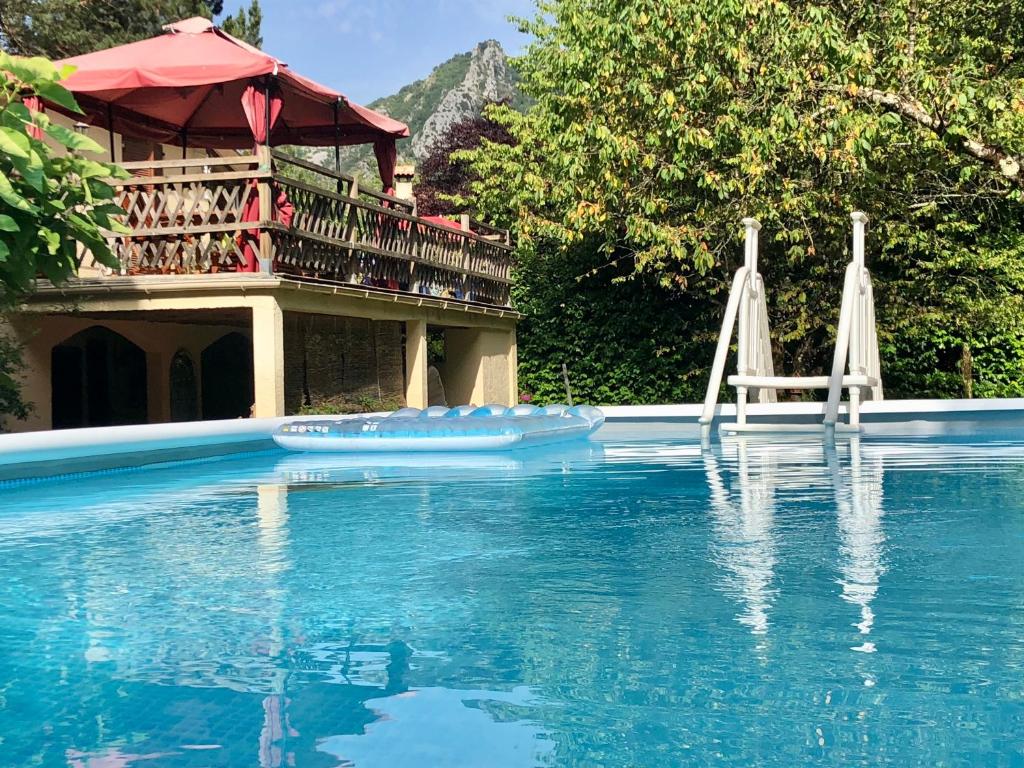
(90, 169)
(14, 143)
(53, 240)
(59, 95)
(31, 170)
(16, 115)
(74, 141)
(85, 231)
(7, 223)
(108, 209)
(33, 70)
(10, 196)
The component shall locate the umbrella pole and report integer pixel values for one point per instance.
(337, 148)
(266, 249)
(110, 131)
(184, 143)
(266, 115)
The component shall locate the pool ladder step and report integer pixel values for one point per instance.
(855, 361)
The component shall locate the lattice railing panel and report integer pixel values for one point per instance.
(191, 225)
(176, 254)
(201, 222)
(337, 237)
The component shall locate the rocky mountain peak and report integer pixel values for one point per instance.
(487, 78)
(454, 91)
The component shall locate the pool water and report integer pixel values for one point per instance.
(629, 602)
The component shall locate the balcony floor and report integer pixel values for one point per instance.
(123, 295)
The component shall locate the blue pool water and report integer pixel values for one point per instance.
(633, 602)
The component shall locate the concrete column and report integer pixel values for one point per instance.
(268, 357)
(481, 366)
(512, 367)
(416, 363)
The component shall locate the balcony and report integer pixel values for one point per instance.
(292, 219)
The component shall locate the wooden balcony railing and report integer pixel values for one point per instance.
(200, 216)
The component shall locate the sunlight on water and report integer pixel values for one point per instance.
(630, 602)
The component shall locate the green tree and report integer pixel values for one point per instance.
(51, 202)
(658, 125)
(246, 24)
(58, 29)
(12, 404)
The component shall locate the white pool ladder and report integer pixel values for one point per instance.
(755, 379)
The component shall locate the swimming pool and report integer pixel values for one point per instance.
(637, 601)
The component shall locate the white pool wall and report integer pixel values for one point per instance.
(908, 418)
(61, 452)
(67, 451)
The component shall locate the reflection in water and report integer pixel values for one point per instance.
(859, 514)
(109, 758)
(746, 547)
(272, 514)
(454, 727)
(275, 612)
(274, 734)
(440, 726)
(327, 470)
(272, 537)
(744, 517)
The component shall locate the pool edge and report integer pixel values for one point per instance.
(37, 455)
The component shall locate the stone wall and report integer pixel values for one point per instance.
(342, 363)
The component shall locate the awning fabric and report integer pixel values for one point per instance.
(191, 81)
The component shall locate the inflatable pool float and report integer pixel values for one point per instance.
(465, 428)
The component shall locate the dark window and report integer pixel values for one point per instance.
(98, 379)
(227, 378)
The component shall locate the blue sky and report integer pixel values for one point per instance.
(371, 48)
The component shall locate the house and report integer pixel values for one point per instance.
(253, 281)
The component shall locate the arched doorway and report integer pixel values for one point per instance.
(184, 388)
(228, 391)
(98, 379)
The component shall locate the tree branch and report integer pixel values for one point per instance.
(910, 109)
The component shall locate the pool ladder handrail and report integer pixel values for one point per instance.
(856, 347)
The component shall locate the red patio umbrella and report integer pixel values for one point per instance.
(201, 86)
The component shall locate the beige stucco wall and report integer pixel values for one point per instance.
(417, 389)
(480, 366)
(39, 334)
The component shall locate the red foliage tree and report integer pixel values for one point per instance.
(439, 175)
